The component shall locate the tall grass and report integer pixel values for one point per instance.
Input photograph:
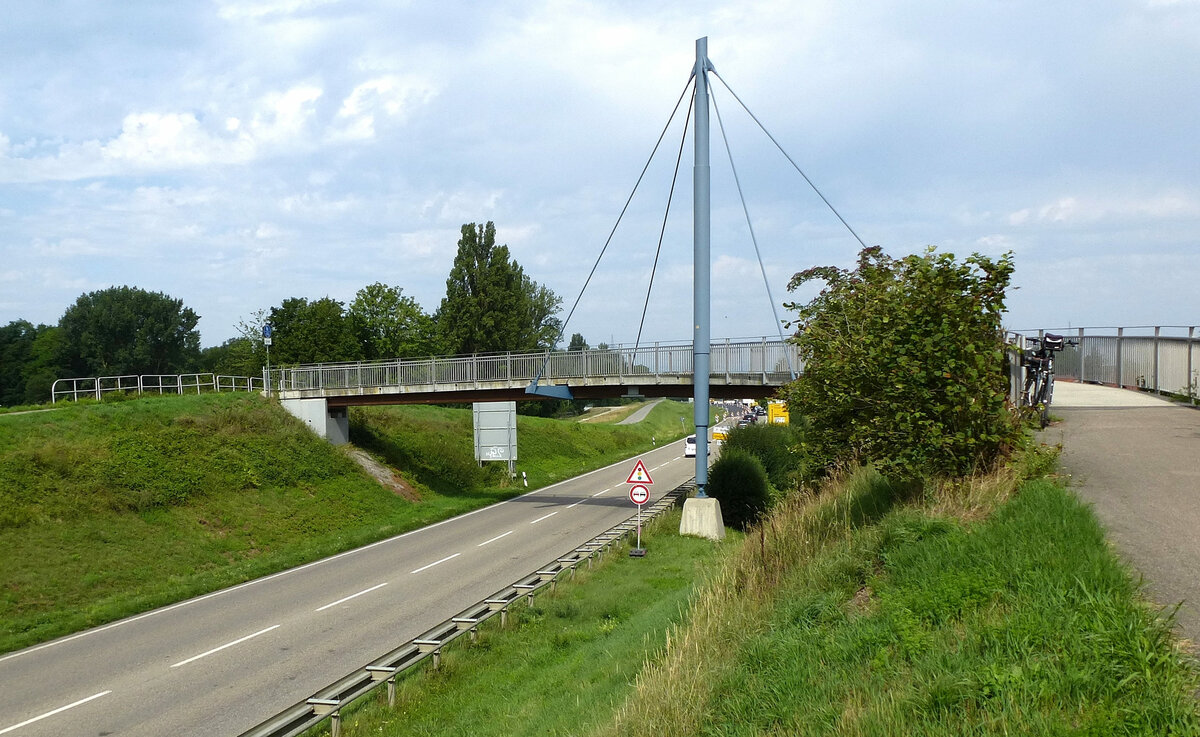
(729, 609)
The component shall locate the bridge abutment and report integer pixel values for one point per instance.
(330, 423)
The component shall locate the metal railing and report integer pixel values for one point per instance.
(1159, 358)
(329, 701)
(765, 360)
(95, 387)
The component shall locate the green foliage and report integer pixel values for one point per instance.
(578, 343)
(235, 357)
(738, 480)
(1023, 624)
(775, 446)
(903, 364)
(313, 332)
(390, 324)
(490, 304)
(23, 357)
(127, 330)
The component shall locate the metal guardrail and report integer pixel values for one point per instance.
(764, 360)
(1159, 358)
(95, 387)
(383, 671)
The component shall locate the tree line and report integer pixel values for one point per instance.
(491, 304)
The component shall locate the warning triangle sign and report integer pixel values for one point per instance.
(639, 475)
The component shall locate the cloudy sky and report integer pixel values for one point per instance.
(234, 153)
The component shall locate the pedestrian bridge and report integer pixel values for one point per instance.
(738, 368)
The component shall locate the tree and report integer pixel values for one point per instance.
(490, 304)
(903, 364)
(127, 330)
(577, 343)
(235, 357)
(313, 332)
(391, 325)
(16, 340)
(45, 364)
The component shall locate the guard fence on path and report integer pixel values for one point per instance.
(95, 387)
(732, 361)
(1159, 358)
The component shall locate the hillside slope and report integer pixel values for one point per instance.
(111, 509)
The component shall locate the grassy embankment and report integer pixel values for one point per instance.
(111, 509)
(986, 609)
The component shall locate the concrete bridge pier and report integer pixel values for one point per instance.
(331, 423)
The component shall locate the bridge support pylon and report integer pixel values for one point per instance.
(330, 423)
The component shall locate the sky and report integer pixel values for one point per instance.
(235, 153)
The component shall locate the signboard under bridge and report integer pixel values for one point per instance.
(495, 432)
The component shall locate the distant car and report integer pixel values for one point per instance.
(744, 420)
(689, 447)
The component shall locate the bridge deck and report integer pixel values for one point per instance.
(742, 368)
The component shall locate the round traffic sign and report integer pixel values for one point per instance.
(639, 494)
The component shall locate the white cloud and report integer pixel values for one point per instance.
(235, 10)
(1085, 209)
(391, 97)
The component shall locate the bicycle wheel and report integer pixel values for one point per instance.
(1045, 396)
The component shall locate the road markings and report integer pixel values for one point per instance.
(598, 493)
(494, 539)
(539, 519)
(436, 562)
(576, 504)
(59, 710)
(228, 644)
(351, 596)
(298, 569)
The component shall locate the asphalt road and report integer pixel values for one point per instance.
(221, 663)
(1136, 459)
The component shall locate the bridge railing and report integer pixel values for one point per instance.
(768, 359)
(1159, 358)
(96, 387)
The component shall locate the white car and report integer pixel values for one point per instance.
(689, 447)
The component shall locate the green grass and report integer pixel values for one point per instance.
(866, 611)
(109, 509)
(435, 448)
(562, 665)
(1025, 624)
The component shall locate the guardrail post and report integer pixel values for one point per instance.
(1120, 361)
(1157, 332)
(1082, 371)
(1193, 389)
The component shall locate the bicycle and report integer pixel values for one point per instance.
(1039, 374)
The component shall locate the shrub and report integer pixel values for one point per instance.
(739, 482)
(775, 446)
(903, 364)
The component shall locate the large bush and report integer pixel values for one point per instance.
(739, 482)
(775, 446)
(903, 363)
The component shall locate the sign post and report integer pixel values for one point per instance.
(639, 494)
(267, 342)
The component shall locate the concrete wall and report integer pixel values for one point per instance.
(332, 424)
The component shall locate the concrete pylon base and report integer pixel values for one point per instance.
(702, 518)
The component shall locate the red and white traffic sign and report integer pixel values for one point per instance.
(639, 474)
(639, 494)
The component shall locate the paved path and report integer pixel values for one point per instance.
(1136, 459)
(640, 415)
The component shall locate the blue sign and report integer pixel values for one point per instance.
(266, 331)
